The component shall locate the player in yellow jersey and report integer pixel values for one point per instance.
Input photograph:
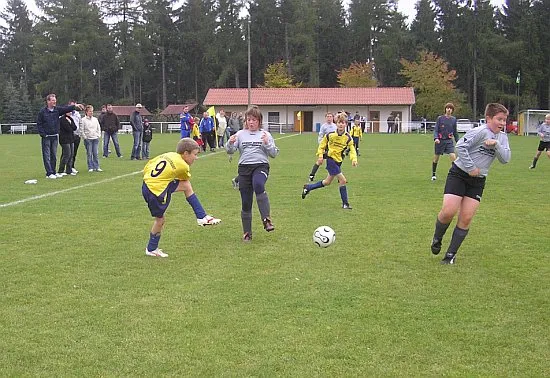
(356, 135)
(163, 175)
(337, 142)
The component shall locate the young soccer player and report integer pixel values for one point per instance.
(476, 150)
(255, 146)
(444, 131)
(336, 142)
(163, 175)
(356, 135)
(327, 127)
(543, 132)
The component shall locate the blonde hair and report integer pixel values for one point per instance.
(494, 108)
(186, 145)
(341, 117)
(89, 107)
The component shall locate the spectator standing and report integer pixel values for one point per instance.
(396, 123)
(221, 127)
(91, 132)
(66, 140)
(206, 128)
(147, 137)
(137, 128)
(233, 124)
(241, 120)
(111, 125)
(186, 123)
(75, 115)
(47, 124)
(389, 121)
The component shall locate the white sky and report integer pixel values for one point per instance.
(404, 6)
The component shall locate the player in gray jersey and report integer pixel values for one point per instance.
(328, 127)
(543, 131)
(255, 146)
(466, 179)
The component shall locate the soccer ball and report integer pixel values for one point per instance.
(324, 236)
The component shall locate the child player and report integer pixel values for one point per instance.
(476, 150)
(327, 127)
(337, 142)
(444, 131)
(543, 131)
(356, 135)
(163, 175)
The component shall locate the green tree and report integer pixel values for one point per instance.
(423, 27)
(357, 75)
(432, 81)
(276, 76)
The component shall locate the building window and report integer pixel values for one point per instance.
(273, 118)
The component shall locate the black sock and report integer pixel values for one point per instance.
(535, 162)
(314, 170)
(458, 237)
(246, 217)
(440, 229)
(434, 168)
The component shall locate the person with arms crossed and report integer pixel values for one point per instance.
(75, 115)
(255, 146)
(336, 143)
(543, 131)
(327, 127)
(444, 131)
(47, 124)
(476, 150)
(164, 175)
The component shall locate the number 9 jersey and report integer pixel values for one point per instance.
(163, 170)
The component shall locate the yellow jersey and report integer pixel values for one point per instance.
(164, 169)
(337, 144)
(356, 131)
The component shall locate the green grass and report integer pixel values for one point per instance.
(80, 298)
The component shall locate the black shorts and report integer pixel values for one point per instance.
(462, 184)
(247, 171)
(445, 146)
(544, 146)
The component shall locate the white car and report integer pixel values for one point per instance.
(463, 125)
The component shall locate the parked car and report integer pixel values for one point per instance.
(463, 125)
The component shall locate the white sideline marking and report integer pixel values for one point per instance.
(45, 195)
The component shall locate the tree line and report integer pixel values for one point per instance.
(160, 52)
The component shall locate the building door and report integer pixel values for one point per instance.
(303, 121)
(374, 121)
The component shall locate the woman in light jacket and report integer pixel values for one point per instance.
(91, 131)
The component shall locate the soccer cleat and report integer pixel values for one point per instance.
(305, 191)
(436, 246)
(346, 206)
(434, 177)
(235, 183)
(208, 221)
(311, 178)
(247, 237)
(157, 253)
(449, 258)
(52, 176)
(268, 226)
(531, 166)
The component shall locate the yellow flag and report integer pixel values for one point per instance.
(212, 113)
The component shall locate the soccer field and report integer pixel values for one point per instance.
(80, 298)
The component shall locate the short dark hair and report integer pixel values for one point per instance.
(450, 105)
(255, 112)
(494, 108)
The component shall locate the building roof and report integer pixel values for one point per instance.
(127, 110)
(311, 96)
(177, 108)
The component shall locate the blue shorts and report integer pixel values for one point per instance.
(158, 204)
(333, 167)
(445, 146)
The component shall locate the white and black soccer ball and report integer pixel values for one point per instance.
(324, 236)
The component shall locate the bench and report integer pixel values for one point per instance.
(173, 127)
(18, 129)
(125, 129)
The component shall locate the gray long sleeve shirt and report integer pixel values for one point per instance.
(325, 129)
(252, 148)
(544, 132)
(473, 153)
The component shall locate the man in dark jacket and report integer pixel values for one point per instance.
(111, 125)
(137, 128)
(47, 124)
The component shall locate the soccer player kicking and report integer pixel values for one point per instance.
(476, 150)
(163, 175)
(337, 142)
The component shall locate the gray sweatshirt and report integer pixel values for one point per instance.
(544, 132)
(252, 148)
(472, 152)
(325, 129)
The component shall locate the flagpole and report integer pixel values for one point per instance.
(249, 75)
(518, 79)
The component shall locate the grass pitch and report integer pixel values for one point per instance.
(80, 298)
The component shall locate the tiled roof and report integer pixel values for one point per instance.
(311, 96)
(177, 108)
(126, 110)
